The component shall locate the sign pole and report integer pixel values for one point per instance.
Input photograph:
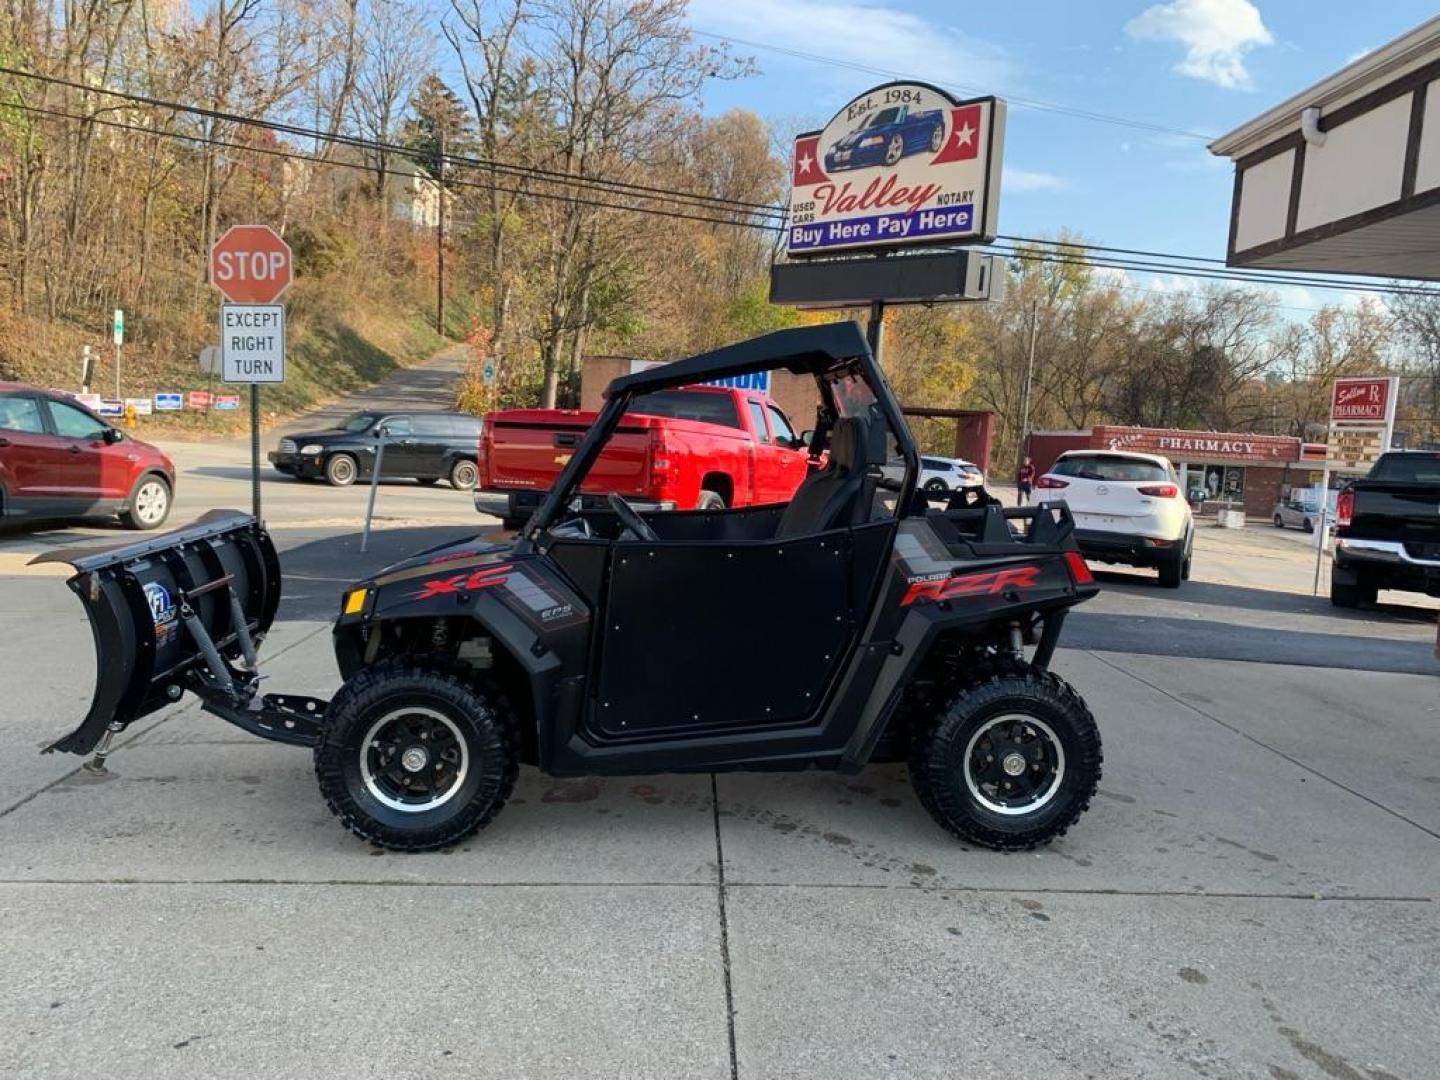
(374, 484)
(1323, 504)
(255, 450)
(875, 328)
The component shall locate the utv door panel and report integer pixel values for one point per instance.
(704, 638)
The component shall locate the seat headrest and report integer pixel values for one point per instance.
(856, 442)
(844, 442)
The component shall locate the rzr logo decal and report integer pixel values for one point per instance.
(986, 584)
(483, 578)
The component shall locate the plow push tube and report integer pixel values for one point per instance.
(182, 611)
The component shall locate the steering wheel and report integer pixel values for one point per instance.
(630, 519)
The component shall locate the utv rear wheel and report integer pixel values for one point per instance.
(415, 758)
(1011, 762)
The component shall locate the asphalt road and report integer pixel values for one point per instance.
(1256, 891)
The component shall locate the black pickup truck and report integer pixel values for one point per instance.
(1388, 530)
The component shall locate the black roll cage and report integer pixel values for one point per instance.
(815, 350)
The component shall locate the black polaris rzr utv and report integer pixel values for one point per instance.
(855, 624)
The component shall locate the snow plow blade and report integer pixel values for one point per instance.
(182, 610)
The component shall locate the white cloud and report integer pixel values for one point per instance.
(1216, 34)
(1028, 180)
(872, 35)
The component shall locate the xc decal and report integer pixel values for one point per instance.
(483, 578)
(985, 584)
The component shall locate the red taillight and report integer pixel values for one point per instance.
(1344, 508)
(661, 464)
(1051, 482)
(1079, 572)
(1161, 491)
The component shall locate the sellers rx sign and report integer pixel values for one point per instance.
(903, 164)
(252, 343)
(1368, 401)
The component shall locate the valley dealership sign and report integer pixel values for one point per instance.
(900, 165)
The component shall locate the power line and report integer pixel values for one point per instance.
(1056, 255)
(293, 156)
(1029, 103)
(764, 212)
(608, 186)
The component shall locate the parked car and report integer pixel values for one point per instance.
(939, 475)
(887, 136)
(423, 446)
(1387, 533)
(59, 460)
(1295, 513)
(696, 447)
(1128, 509)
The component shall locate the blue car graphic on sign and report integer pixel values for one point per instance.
(886, 136)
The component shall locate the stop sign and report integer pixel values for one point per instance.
(250, 264)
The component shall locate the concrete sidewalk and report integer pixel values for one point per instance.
(1253, 894)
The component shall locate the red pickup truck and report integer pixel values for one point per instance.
(701, 447)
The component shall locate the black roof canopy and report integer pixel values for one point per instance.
(802, 350)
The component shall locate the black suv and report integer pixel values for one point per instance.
(423, 446)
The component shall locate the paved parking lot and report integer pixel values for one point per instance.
(1252, 894)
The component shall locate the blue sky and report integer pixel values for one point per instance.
(1200, 66)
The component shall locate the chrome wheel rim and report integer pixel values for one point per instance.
(151, 501)
(894, 151)
(465, 475)
(342, 470)
(1014, 764)
(414, 759)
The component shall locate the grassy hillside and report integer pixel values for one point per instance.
(337, 342)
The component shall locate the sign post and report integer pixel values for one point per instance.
(251, 266)
(119, 336)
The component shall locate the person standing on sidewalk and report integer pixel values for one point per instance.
(1024, 481)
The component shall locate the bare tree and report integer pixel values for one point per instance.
(397, 51)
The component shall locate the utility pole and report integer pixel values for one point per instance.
(440, 241)
(1029, 379)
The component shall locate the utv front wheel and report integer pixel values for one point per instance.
(415, 758)
(1011, 762)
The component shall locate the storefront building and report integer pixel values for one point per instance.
(1216, 468)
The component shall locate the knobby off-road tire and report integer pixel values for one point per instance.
(462, 740)
(1051, 727)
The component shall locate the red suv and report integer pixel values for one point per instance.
(60, 460)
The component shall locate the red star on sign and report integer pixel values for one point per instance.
(806, 170)
(963, 141)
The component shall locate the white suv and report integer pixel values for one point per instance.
(1128, 509)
